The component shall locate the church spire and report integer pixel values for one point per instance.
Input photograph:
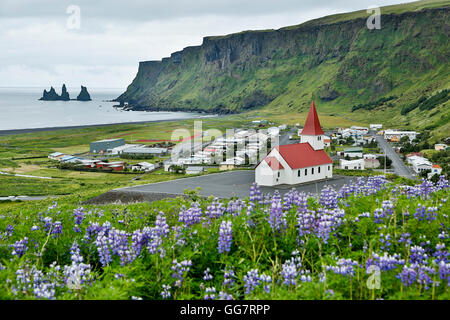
(312, 125)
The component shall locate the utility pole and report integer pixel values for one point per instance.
(385, 161)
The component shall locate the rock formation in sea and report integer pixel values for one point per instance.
(84, 95)
(64, 94)
(50, 95)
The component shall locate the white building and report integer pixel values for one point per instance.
(143, 166)
(360, 130)
(297, 163)
(194, 170)
(421, 164)
(436, 169)
(351, 164)
(397, 135)
(369, 156)
(375, 126)
(355, 152)
(120, 149)
(440, 146)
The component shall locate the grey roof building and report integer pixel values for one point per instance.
(153, 151)
(104, 145)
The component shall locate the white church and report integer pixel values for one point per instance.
(297, 163)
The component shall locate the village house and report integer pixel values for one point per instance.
(375, 126)
(440, 146)
(371, 163)
(436, 169)
(143, 166)
(352, 164)
(56, 155)
(297, 163)
(355, 152)
(104, 145)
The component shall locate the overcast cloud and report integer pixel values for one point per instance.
(38, 49)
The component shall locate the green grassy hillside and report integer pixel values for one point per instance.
(336, 60)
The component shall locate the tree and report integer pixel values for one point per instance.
(424, 173)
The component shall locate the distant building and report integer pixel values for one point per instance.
(326, 141)
(104, 145)
(375, 126)
(394, 135)
(143, 166)
(420, 164)
(417, 154)
(120, 149)
(56, 155)
(352, 164)
(436, 169)
(371, 163)
(355, 152)
(141, 151)
(194, 170)
(369, 156)
(440, 146)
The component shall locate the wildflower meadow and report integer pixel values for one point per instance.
(371, 239)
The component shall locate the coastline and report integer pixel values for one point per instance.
(31, 130)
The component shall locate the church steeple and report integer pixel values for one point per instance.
(312, 132)
(312, 125)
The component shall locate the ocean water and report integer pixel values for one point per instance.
(21, 109)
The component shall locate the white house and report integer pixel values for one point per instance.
(440, 146)
(421, 164)
(56, 155)
(352, 164)
(436, 169)
(375, 126)
(369, 156)
(297, 163)
(355, 152)
(143, 166)
(397, 135)
(360, 130)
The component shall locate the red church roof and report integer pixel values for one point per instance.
(274, 163)
(312, 125)
(302, 155)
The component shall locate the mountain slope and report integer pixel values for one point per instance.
(336, 60)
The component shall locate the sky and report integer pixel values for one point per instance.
(99, 43)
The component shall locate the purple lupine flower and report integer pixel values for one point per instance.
(210, 293)
(78, 273)
(251, 280)
(180, 270)
(255, 193)
(103, 248)
(344, 267)
(228, 278)
(444, 271)
(266, 280)
(34, 228)
(328, 198)
(441, 254)
(165, 294)
(235, 207)
(425, 213)
(289, 273)
(385, 262)
(79, 215)
(225, 236)
(405, 238)
(9, 230)
(276, 218)
(20, 247)
(385, 241)
(48, 223)
(225, 296)
(207, 276)
(306, 221)
(190, 216)
(417, 255)
(215, 209)
(57, 228)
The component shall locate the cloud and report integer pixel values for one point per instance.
(39, 49)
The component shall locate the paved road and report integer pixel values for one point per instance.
(228, 184)
(24, 198)
(399, 166)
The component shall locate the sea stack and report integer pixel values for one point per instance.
(64, 94)
(84, 95)
(51, 95)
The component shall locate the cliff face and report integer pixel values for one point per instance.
(342, 63)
